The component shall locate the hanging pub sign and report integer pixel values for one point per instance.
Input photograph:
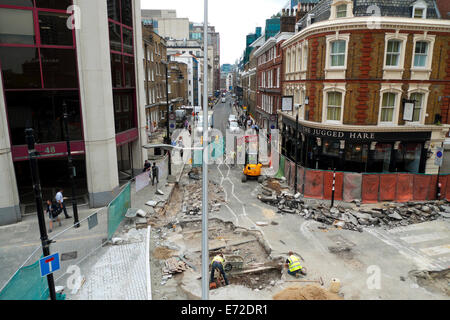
(408, 109)
(287, 103)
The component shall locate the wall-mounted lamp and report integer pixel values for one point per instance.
(373, 145)
(319, 142)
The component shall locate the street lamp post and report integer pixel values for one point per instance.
(40, 210)
(296, 151)
(71, 167)
(168, 140)
(205, 246)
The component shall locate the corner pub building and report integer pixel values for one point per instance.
(97, 71)
(371, 92)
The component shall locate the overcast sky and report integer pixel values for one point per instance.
(233, 19)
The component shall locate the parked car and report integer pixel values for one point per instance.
(231, 118)
(234, 127)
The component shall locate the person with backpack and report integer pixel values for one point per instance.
(53, 212)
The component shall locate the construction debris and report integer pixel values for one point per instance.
(393, 215)
(192, 201)
(174, 265)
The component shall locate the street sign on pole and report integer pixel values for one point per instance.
(439, 156)
(49, 264)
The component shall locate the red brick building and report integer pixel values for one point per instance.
(371, 90)
(269, 63)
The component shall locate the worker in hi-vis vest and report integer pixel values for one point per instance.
(294, 266)
(218, 263)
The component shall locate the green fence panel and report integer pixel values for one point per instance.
(117, 210)
(26, 284)
(280, 172)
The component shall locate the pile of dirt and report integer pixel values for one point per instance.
(162, 253)
(309, 292)
(274, 184)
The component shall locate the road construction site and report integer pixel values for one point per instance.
(351, 251)
(384, 260)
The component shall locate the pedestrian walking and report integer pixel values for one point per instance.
(155, 174)
(60, 202)
(180, 145)
(147, 166)
(53, 212)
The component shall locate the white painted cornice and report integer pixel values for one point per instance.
(368, 23)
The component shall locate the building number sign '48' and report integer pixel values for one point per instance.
(50, 150)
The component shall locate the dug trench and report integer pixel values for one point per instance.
(179, 255)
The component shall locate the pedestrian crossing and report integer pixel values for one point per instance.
(430, 239)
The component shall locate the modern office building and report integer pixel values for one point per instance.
(166, 23)
(97, 71)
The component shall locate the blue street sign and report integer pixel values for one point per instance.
(49, 264)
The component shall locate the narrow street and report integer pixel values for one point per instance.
(393, 253)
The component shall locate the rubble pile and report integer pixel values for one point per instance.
(174, 265)
(192, 201)
(391, 216)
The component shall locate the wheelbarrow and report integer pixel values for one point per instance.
(233, 263)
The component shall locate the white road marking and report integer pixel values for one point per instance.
(421, 260)
(304, 230)
(412, 227)
(436, 251)
(425, 237)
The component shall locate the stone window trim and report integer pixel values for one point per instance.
(326, 90)
(403, 38)
(424, 90)
(328, 68)
(430, 39)
(397, 90)
(337, 3)
(395, 72)
(299, 92)
(418, 6)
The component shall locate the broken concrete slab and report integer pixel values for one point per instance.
(151, 203)
(395, 215)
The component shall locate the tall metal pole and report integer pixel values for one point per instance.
(168, 140)
(333, 188)
(40, 210)
(296, 152)
(70, 166)
(205, 247)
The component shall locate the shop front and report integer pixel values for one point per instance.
(353, 151)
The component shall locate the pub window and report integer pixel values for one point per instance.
(419, 12)
(418, 102)
(341, 11)
(393, 53)
(421, 54)
(334, 106)
(387, 108)
(338, 53)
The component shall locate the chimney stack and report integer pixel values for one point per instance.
(288, 20)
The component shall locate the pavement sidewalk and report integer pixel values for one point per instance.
(119, 272)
